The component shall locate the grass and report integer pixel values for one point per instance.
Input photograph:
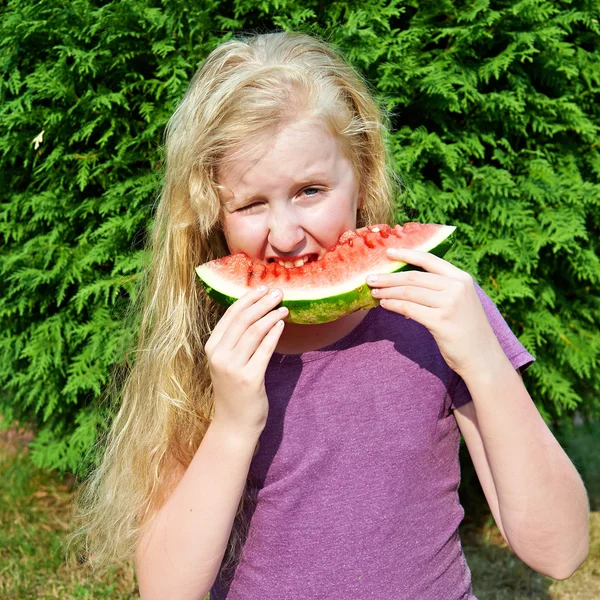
(35, 510)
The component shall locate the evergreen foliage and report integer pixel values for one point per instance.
(495, 114)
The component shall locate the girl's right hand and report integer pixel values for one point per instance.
(238, 352)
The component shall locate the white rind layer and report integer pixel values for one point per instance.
(213, 279)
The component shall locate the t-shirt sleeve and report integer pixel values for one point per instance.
(514, 350)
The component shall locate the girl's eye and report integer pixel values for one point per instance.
(249, 207)
(311, 191)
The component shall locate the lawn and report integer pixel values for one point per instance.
(35, 508)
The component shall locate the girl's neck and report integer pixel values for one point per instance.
(297, 339)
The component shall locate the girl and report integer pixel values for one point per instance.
(335, 444)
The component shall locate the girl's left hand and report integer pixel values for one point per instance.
(444, 300)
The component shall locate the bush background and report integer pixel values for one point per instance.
(495, 118)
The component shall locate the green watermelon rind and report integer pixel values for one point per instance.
(329, 308)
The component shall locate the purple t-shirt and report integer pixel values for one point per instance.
(357, 472)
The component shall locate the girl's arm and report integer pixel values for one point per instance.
(534, 492)
(180, 554)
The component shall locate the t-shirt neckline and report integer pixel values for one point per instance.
(343, 342)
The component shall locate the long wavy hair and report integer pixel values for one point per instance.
(164, 401)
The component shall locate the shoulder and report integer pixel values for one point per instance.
(495, 317)
(512, 347)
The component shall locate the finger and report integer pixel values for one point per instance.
(425, 260)
(254, 335)
(243, 302)
(247, 317)
(424, 315)
(418, 295)
(261, 357)
(414, 278)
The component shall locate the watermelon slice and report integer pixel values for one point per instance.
(333, 286)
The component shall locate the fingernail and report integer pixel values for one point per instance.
(261, 288)
(282, 310)
(275, 292)
(371, 278)
(394, 251)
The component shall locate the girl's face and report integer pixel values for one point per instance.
(292, 198)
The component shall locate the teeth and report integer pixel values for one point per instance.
(288, 264)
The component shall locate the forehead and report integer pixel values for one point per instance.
(298, 150)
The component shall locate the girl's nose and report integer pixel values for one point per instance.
(285, 233)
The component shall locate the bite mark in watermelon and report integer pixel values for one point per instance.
(333, 286)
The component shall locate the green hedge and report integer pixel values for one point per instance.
(495, 127)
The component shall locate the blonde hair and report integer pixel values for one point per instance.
(244, 89)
